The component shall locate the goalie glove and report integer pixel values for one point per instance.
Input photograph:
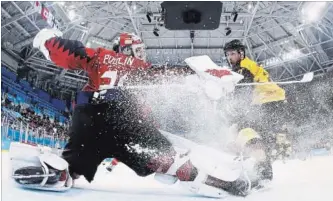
(42, 37)
(216, 81)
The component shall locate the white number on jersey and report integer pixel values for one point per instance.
(112, 75)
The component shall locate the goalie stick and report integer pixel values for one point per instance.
(308, 77)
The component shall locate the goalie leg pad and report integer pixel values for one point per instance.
(190, 177)
(38, 168)
(36, 175)
(168, 169)
(199, 186)
(165, 178)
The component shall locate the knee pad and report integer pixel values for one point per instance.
(180, 168)
(181, 162)
(174, 165)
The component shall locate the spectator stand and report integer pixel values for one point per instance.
(30, 115)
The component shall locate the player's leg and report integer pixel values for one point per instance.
(97, 133)
(145, 150)
(274, 116)
(81, 151)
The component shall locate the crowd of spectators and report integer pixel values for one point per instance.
(43, 125)
(39, 124)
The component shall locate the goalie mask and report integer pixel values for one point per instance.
(130, 45)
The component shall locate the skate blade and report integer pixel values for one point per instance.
(44, 188)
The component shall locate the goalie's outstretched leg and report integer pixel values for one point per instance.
(117, 130)
(105, 131)
(37, 168)
(179, 167)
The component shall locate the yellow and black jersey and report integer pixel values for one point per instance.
(252, 72)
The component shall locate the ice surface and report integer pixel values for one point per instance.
(294, 181)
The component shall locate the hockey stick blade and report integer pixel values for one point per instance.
(307, 77)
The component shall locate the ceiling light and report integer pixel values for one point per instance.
(71, 15)
(155, 32)
(192, 35)
(294, 53)
(148, 15)
(312, 11)
(61, 3)
(235, 14)
(228, 31)
(249, 6)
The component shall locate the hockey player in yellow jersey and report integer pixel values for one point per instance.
(261, 107)
(252, 72)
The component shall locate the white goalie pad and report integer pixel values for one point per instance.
(25, 155)
(215, 162)
(22, 155)
(53, 160)
(165, 178)
(199, 187)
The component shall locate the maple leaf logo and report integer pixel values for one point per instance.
(218, 72)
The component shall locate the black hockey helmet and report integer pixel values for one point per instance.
(234, 45)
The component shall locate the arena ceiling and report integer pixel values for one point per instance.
(286, 37)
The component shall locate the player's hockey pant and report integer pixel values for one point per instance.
(115, 129)
(266, 119)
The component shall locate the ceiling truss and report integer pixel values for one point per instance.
(268, 29)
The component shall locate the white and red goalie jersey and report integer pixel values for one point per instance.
(104, 67)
